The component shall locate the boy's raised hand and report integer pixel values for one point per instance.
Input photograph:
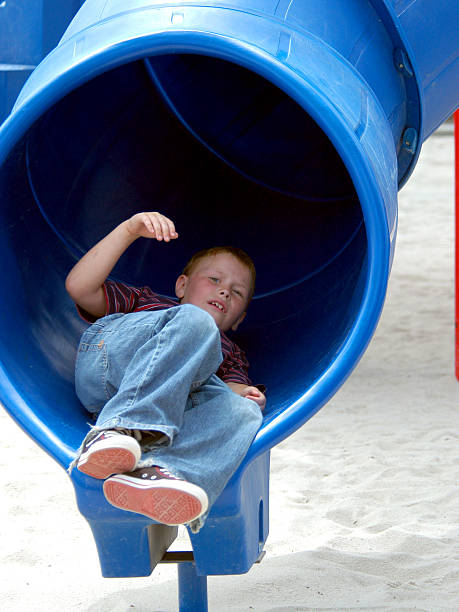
(151, 225)
(85, 280)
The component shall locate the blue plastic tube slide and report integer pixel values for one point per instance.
(284, 127)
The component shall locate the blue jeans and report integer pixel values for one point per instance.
(155, 370)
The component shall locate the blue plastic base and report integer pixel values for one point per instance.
(128, 544)
(237, 528)
(229, 543)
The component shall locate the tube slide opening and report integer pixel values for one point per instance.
(232, 160)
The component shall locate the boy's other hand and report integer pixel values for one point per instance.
(151, 225)
(249, 392)
(255, 395)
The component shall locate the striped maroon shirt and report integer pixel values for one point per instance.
(124, 298)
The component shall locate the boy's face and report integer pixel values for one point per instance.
(219, 284)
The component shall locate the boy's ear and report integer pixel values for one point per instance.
(238, 322)
(180, 286)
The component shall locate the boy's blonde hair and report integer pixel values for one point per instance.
(236, 252)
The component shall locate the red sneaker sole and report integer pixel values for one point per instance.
(102, 464)
(164, 505)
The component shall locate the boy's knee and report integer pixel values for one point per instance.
(197, 319)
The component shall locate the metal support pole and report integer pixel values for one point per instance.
(192, 589)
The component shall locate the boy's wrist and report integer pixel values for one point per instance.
(128, 235)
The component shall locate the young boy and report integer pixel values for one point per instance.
(176, 411)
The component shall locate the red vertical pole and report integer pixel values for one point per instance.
(456, 139)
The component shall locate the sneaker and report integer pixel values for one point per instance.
(109, 452)
(158, 494)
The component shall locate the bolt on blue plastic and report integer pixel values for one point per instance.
(283, 127)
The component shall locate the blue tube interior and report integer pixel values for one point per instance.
(228, 156)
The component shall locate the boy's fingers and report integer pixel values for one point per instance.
(148, 224)
(157, 227)
(258, 400)
(165, 229)
(257, 396)
(172, 232)
(168, 228)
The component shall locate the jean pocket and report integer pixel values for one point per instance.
(91, 375)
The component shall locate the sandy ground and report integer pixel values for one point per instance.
(364, 498)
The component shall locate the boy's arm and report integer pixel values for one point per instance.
(85, 280)
(249, 392)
